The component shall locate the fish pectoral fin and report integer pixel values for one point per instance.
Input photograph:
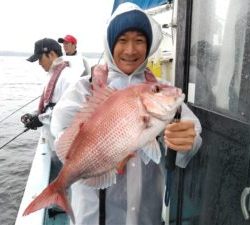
(151, 151)
(65, 141)
(120, 167)
(103, 181)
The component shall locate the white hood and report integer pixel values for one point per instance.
(156, 37)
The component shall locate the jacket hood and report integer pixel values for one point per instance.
(156, 37)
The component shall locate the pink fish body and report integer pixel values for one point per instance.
(112, 125)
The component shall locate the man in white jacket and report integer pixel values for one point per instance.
(136, 198)
(78, 62)
(48, 52)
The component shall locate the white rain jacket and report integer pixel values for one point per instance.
(137, 196)
(65, 79)
(78, 64)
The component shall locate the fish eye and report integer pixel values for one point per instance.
(156, 89)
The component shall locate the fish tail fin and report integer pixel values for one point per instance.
(52, 195)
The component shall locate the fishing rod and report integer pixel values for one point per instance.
(100, 58)
(19, 108)
(170, 162)
(14, 138)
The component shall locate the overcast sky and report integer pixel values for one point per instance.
(25, 21)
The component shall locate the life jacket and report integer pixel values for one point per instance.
(45, 100)
(99, 76)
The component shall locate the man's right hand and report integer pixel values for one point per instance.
(31, 121)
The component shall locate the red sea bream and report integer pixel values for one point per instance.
(111, 125)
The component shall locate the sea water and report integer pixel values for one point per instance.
(21, 82)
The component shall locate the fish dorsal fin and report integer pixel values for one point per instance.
(149, 76)
(98, 96)
(103, 181)
(99, 75)
(66, 140)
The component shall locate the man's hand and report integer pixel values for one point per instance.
(180, 136)
(31, 121)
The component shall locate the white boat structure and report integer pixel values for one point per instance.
(42, 171)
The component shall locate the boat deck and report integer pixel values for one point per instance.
(55, 216)
(44, 169)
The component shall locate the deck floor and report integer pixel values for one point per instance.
(55, 216)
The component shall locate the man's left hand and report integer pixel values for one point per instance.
(180, 136)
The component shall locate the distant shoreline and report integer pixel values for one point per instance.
(26, 54)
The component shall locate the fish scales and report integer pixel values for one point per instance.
(112, 134)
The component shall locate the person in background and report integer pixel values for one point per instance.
(78, 62)
(49, 54)
(137, 196)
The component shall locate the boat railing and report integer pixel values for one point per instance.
(38, 180)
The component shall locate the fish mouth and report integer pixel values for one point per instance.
(169, 109)
(175, 105)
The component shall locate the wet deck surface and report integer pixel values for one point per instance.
(54, 215)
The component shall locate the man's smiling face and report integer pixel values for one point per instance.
(130, 51)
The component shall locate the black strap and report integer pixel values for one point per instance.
(102, 208)
(50, 105)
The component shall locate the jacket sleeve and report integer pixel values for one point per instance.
(69, 104)
(87, 69)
